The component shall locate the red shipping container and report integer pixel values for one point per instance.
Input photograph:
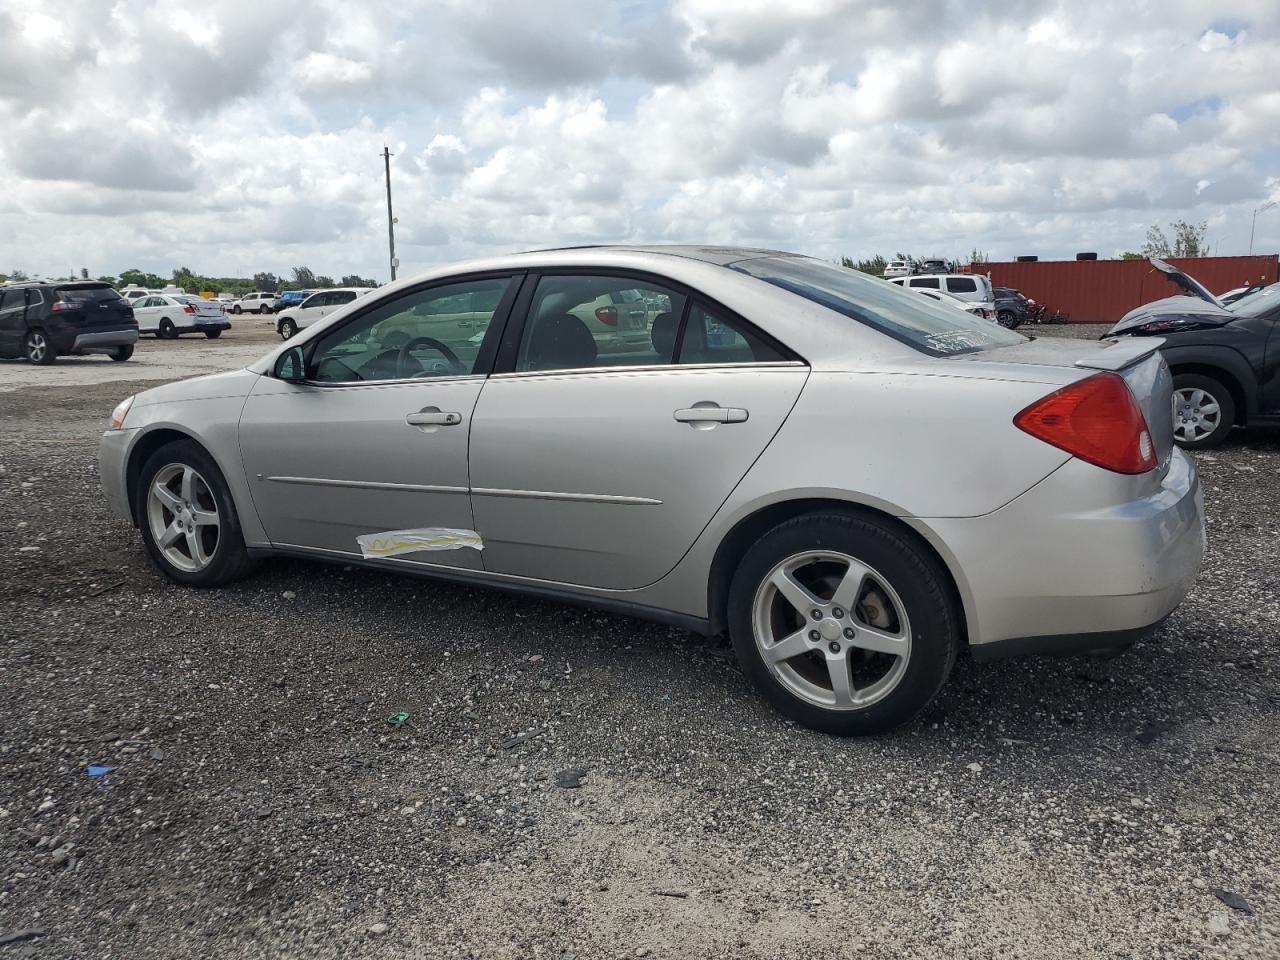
(1103, 291)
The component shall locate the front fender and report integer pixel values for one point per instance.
(1216, 356)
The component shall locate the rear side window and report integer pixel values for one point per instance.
(961, 285)
(344, 296)
(930, 282)
(710, 337)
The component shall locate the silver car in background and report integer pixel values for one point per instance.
(854, 481)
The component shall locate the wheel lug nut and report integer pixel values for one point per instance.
(833, 647)
(837, 613)
(815, 636)
(848, 633)
(817, 614)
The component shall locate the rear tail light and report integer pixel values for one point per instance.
(188, 309)
(1096, 419)
(58, 306)
(607, 315)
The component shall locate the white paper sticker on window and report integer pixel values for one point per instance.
(395, 542)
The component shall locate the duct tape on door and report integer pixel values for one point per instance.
(395, 542)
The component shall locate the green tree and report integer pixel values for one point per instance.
(17, 276)
(111, 280)
(1188, 240)
(304, 278)
(979, 256)
(84, 273)
(323, 281)
(355, 280)
(1130, 255)
(266, 282)
(875, 266)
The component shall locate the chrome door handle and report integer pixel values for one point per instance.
(433, 417)
(710, 413)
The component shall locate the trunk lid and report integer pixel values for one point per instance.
(206, 309)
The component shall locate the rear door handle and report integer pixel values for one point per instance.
(433, 417)
(710, 413)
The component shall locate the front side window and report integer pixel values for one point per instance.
(577, 322)
(413, 336)
(933, 328)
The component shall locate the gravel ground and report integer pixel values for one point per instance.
(261, 806)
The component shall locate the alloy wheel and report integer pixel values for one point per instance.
(183, 517)
(1196, 414)
(832, 630)
(37, 346)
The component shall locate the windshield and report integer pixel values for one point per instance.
(935, 328)
(1257, 303)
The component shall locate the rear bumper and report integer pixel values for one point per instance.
(103, 340)
(211, 324)
(1053, 572)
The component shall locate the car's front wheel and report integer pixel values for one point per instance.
(188, 519)
(1007, 319)
(1203, 411)
(845, 624)
(288, 329)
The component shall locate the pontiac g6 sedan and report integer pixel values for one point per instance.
(855, 482)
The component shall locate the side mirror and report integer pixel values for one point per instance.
(291, 365)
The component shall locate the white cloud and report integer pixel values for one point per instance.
(232, 135)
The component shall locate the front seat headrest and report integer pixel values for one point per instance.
(560, 341)
(663, 335)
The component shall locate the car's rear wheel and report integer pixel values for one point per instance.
(188, 519)
(37, 348)
(264, 308)
(213, 334)
(167, 331)
(122, 353)
(1203, 411)
(288, 329)
(1007, 319)
(844, 624)
(236, 310)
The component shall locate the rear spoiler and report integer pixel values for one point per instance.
(1120, 352)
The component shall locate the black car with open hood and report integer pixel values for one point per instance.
(1225, 360)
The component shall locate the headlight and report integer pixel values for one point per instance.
(119, 413)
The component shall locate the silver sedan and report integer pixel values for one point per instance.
(853, 481)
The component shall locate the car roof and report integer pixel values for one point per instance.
(721, 256)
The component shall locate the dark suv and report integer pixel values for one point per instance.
(41, 321)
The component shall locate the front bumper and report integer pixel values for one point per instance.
(113, 456)
(1073, 565)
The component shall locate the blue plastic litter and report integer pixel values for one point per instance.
(98, 769)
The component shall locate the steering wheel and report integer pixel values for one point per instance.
(402, 360)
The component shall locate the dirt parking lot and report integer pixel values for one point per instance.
(260, 805)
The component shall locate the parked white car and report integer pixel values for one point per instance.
(292, 319)
(133, 293)
(897, 268)
(168, 316)
(969, 306)
(970, 287)
(257, 302)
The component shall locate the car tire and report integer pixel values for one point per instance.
(288, 329)
(122, 353)
(1203, 411)
(213, 552)
(236, 310)
(264, 309)
(37, 348)
(213, 334)
(166, 330)
(1007, 319)
(904, 602)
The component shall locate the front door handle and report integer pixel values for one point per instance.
(706, 414)
(433, 417)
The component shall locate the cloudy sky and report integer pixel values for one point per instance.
(233, 136)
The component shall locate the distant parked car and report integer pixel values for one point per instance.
(1231, 296)
(970, 287)
(292, 319)
(42, 321)
(897, 268)
(290, 298)
(1224, 359)
(969, 306)
(168, 316)
(258, 302)
(1014, 308)
(133, 293)
(933, 266)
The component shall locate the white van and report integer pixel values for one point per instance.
(972, 287)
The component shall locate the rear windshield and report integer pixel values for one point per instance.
(86, 294)
(935, 328)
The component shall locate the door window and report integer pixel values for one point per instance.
(341, 297)
(417, 335)
(594, 321)
(930, 282)
(961, 285)
(710, 337)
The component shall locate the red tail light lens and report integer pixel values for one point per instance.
(1097, 420)
(58, 305)
(607, 315)
(188, 309)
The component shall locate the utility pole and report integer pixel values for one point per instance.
(1266, 206)
(391, 221)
